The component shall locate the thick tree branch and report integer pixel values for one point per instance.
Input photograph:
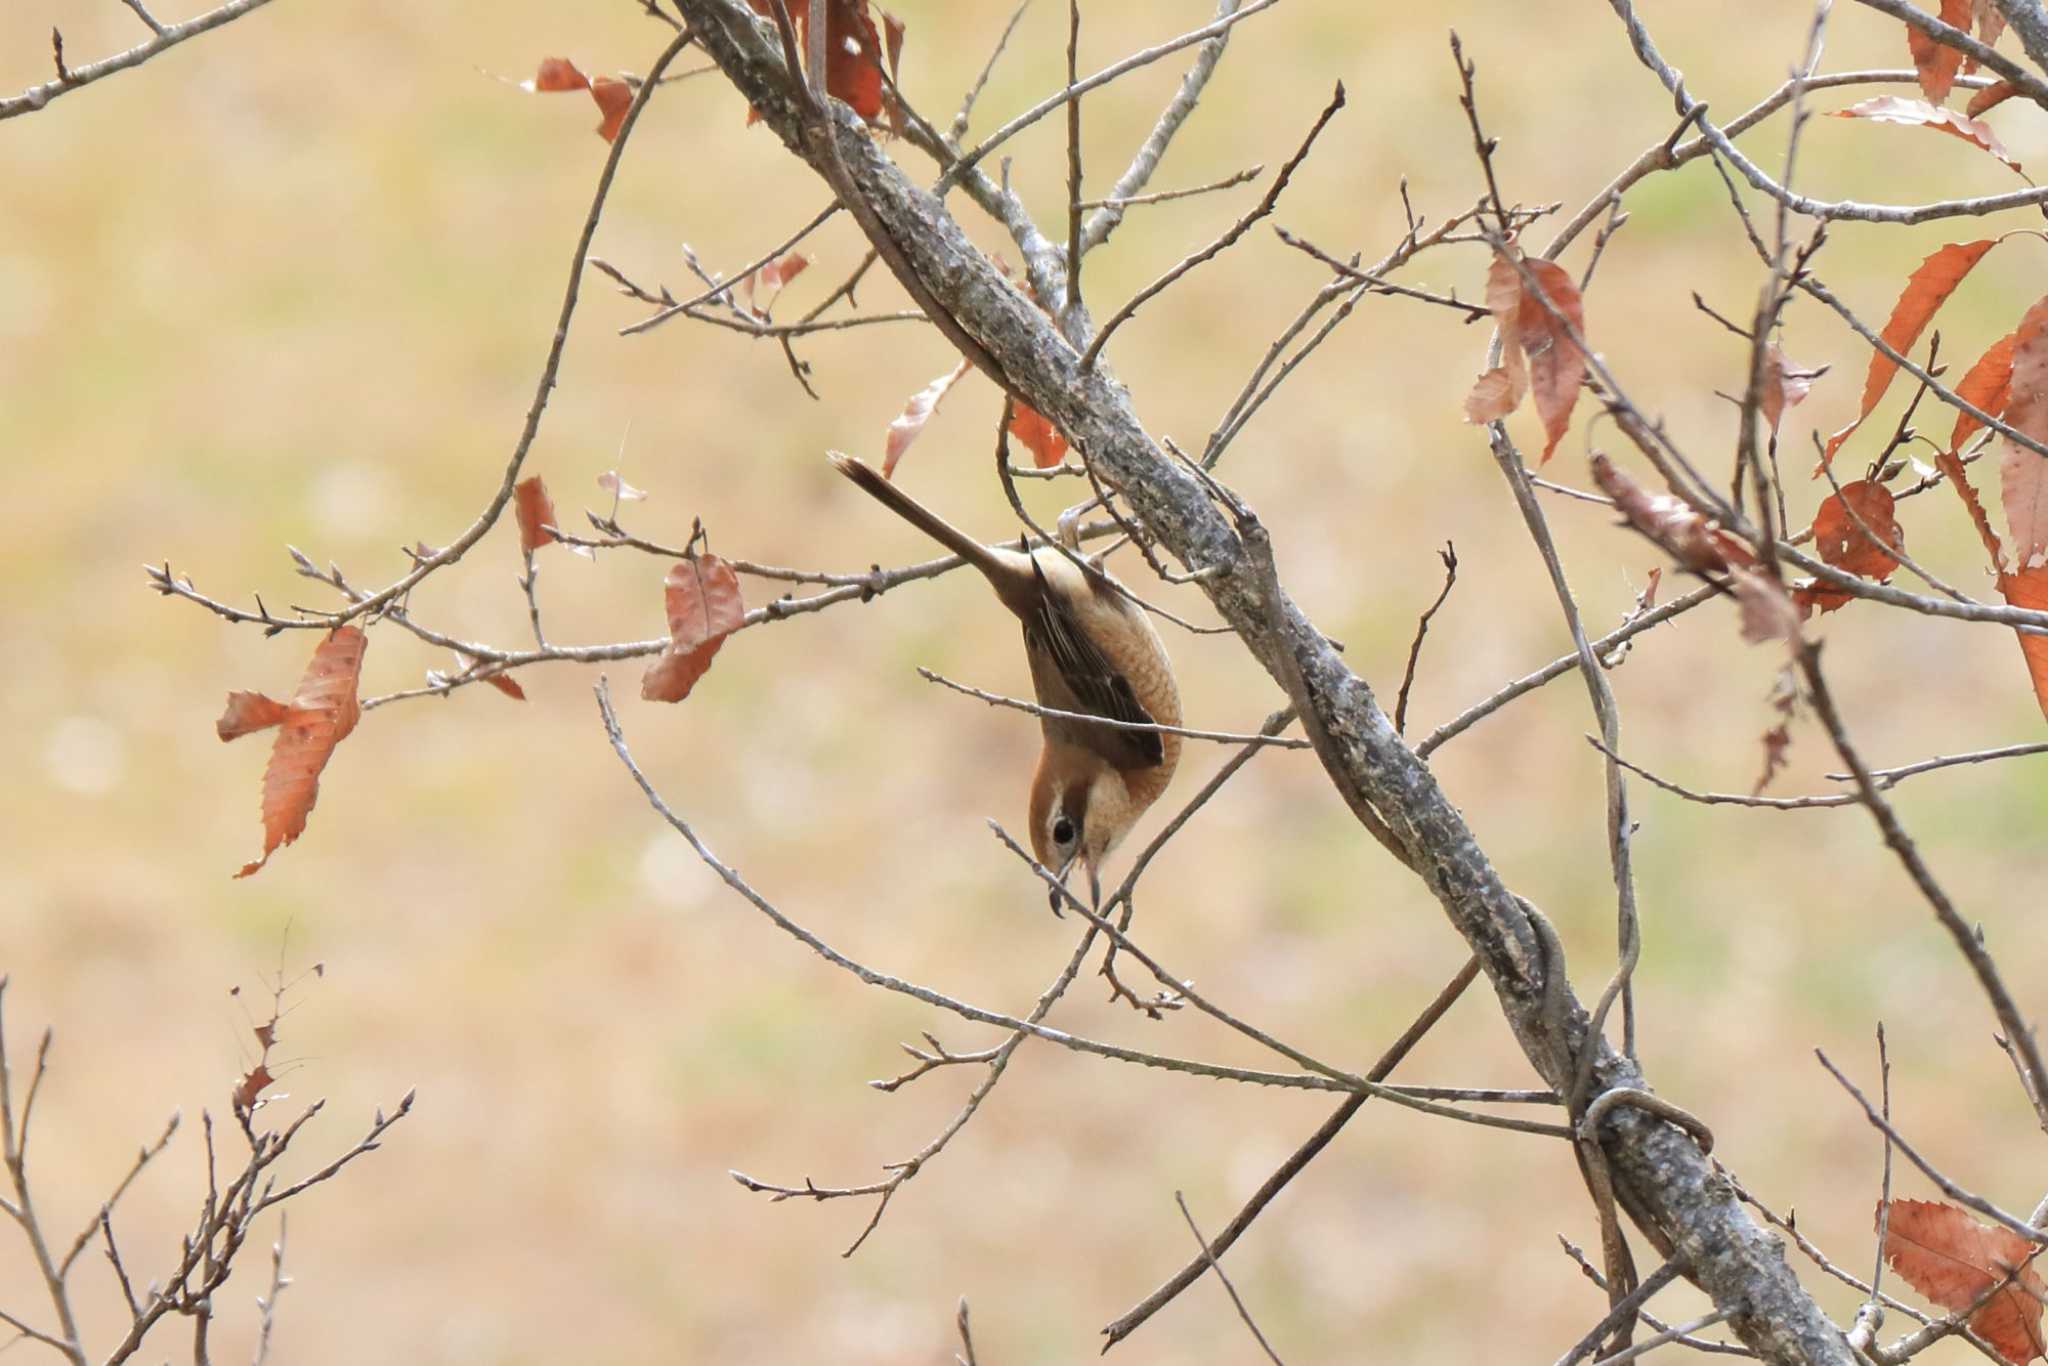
(1662, 1178)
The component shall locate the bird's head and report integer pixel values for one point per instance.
(1080, 811)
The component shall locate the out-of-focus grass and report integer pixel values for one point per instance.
(293, 284)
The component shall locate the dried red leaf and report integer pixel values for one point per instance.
(1927, 288)
(322, 712)
(2023, 475)
(1844, 544)
(614, 97)
(853, 51)
(507, 685)
(2029, 589)
(1499, 391)
(1048, 446)
(248, 712)
(536, 513)
(1937, 62)
(702, 595)
(1785, 385)
(1536, 346)
(1556, 365)
(1953, 1259)
(1920, 114)
(909, 424)
(1777, 741)
(250, 1087)
(1989, 98)
(1990, 23)
(769, 278)
(556, 74)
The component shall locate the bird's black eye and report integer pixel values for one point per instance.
(1063, 831)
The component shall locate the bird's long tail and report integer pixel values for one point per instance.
(922, 517)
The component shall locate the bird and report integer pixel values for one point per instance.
(1091, 650)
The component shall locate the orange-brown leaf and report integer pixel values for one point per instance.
(1047, 445)
(1988, 385)
(1920, 114)
(250, 1087)
(1927, 288)
(536, 513)
(322, 712)
(1845, 545)
(1952, 1259)
(702, 595)
(555, 74)
(909, 424)
(1556, 365)
(2029, 589)
(1937, 62)
(248, 712)
(507, 685)
(1989, 98)
(1499, 391)
(853, 50)
(2023, 475)
(770, 277)
(614, 97)
(1951, 465)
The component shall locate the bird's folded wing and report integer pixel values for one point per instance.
(1065, 660)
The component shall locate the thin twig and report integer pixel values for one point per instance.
(1217, 1267)
(1230, 235)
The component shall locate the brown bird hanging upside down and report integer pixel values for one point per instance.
(1091, 650)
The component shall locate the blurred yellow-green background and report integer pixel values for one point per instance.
(293, 283)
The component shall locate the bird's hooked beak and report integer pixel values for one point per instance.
(1094, 884)
(1052, 895)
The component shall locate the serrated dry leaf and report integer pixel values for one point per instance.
(322, 712)
(2023, 475)
(1952, 1259)
(1936, 62)
(1927, 288)
(1536, 347)
(1842, 543)
(2029, 589)
(702, 597)
(1920, 114)
(909, 424)
(1988, 385)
